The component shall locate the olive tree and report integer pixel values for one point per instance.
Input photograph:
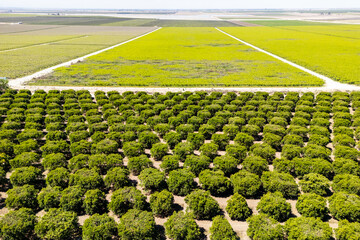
(315, 183)
(196, 164)
(25, 175)
(117, 178)
(137, 164)
(95, 202)
(255, 164)
(99, 227)
(137, 224)
(221, 229)
(86, 179)
(227, 164)
(237, 208)
(215, 182)
(282, 182)
(182, 226)
(54, 160)
(347, 230)
(133, 149)
(169, 163)
(274, 205)
(161, 203)
(183, 149)
(312, 205)
(159, 150)
(209, 149)
(346, 183)
(315, 229)
(72, 199)
(24, 160)
(246, 184)
(127, 198)
(152, 179)
(18, 224)
(22, 197)
(58, 177)
(264, 227)
(51, 225)
(344, 206)
(49, 197)
(181, 182)
(202, 205)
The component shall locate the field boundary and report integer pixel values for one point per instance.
(329, 83)
(164, 90)
(16, 83)
(42, 44)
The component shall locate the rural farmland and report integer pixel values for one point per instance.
(27, 50)
(179, 124)
(246, 156)
(332, 50)
(181, 57)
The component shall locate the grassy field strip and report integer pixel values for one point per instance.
(32, 30)
(42, 44)
(318, 33)
(20, 81)
(329, 83)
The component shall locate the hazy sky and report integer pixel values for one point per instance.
(180, 4)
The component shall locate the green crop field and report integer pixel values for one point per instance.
(14, 41)
(276, 23)
(181, 57)
(33, 49)
(330, 50)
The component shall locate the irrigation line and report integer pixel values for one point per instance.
(329, 83)
(17, 83)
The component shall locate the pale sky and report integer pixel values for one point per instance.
(180, 4)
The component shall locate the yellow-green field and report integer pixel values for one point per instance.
(181, 57)
(29, 49)
(332, 50)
